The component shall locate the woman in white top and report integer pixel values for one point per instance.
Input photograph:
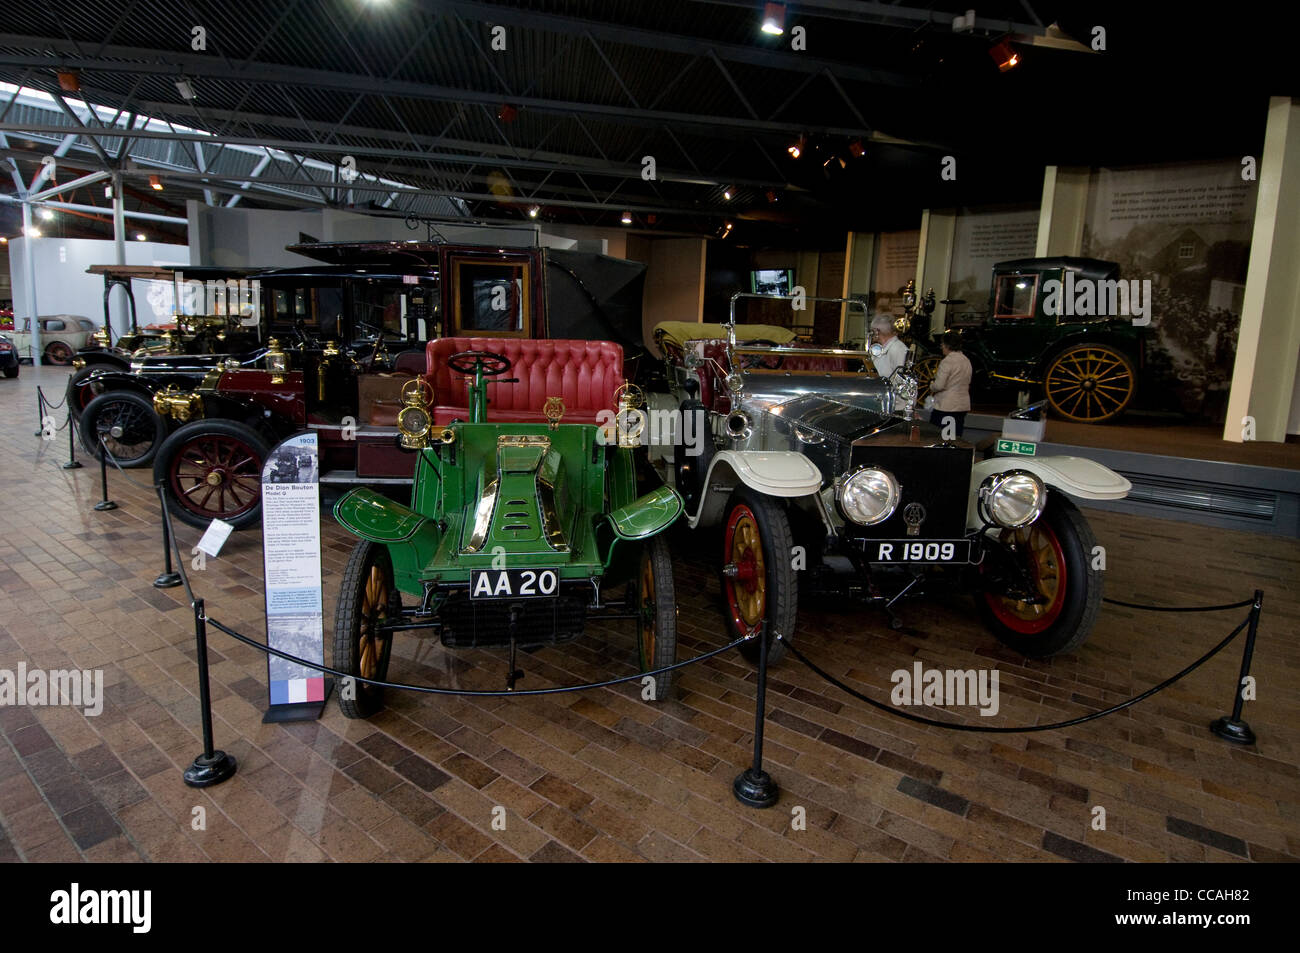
(951, 386)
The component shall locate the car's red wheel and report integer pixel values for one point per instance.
(58, 353)
(758, 585)
(1042, 591)
(212, 469)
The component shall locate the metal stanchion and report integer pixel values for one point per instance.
(1231, 727)
(105, 503)
(754, 786)
(211, 767)
(168, 578)
(40, 413)
(73, 463)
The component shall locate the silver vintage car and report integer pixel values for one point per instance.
(823, 478)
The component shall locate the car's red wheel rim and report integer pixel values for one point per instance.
(217, 476)
(745, 581)
(1041, 552)
(59, 353)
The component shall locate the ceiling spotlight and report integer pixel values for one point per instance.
(533, 210)
(627, 218)
(773, 19)
(508, 113)
(726, 229)
(35, 232)
(108, 191)
(47, 213)
(141, 237)
(186, 89)
(4, 239)
(727, 193)
(155, 183)
(69, 82)
(771, 196)
(857, 149)
(796, 148)
(651, 218)
(1004, 56)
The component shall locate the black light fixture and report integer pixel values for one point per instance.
(728, 192)
(69, 81)
(155, 183)
(186, 89)
(533, 210)
(773, 19)
(797, 147)
(857, 149)
(771, 196)
(627, 218)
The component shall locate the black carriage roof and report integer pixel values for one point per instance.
(169, 272)
(392, 254)
(1089, 267)
(394, 271)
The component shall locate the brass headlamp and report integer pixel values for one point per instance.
(631, 419)
(277, 361)
(414, 422)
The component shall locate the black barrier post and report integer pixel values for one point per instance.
(211, 767)
(754, 786)
(73, 463)
(168, 578)
(1231, 727)
(40, 413)
(105, 503)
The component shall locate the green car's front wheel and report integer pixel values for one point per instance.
(368, 600)
(656, 614)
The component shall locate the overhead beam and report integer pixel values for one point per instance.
(135, 60)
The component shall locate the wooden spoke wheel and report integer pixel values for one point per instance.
(656, 619)
(759, 590)
(212, 469)
(368, 601)
(58, 353)
(1090, 383)
(1043, 592)
(126, 423)
(925, 369)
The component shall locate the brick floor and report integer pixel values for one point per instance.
(603, 776)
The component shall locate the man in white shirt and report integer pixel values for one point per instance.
(895, 351)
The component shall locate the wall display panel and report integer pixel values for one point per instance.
(1187, 229)
(981, 239)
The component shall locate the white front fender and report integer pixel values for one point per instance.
(1076, 476)
(785, 473)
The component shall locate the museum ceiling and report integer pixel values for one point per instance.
(274, 105)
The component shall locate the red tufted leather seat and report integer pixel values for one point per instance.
(584, 373)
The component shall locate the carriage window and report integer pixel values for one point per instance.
(376, 305)
(492, 298)
(1016, 296)
(55, 325)
(328, 308)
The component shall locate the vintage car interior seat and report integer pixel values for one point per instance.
(584, 374)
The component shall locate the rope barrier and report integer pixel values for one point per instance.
(428, 690)
(46, 401)
(1139, 605)
(889, 709)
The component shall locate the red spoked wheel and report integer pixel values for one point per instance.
(759, 592)
(1043, 589)
(212, 469)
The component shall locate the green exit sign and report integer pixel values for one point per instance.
(1022, 447)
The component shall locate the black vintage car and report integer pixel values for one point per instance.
(8, 357)
(336, 342)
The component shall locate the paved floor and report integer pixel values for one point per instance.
(602, 775)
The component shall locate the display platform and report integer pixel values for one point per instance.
(1181, 471)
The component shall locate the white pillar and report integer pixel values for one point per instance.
(1062, 212)
(1264, 375)
(119, 248)
(934, 258)
(29, 255)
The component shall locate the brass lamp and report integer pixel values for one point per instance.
(277, 361)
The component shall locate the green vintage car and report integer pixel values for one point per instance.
(1065, 328)
(517, 531)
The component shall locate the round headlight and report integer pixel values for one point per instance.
(869, 496)
(1013, 499)
(413, 421)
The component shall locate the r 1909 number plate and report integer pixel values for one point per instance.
(917, 550)
(513, 584)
